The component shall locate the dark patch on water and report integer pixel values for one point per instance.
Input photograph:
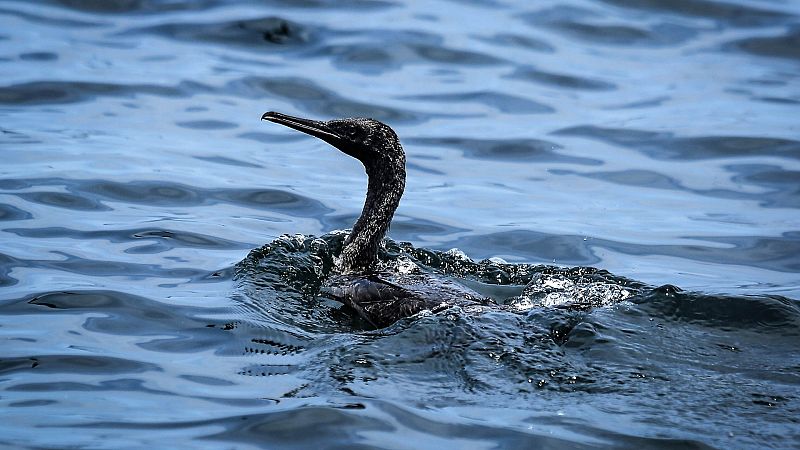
(521, 41)
(783, 190)
(767, 315)
(780, 253)
(560, 80)
(649, 103)
(106, 268)
(285, 428)
(782, 46)
(38, 56)
(268, 32)
(207, 125)
(662, 145)
(48, 19)
(129, 6)
(55, 92)
(229, 161)
(522, 150)
(171, 328)
(640, 178)
(87, 195)
(62, 200)
(439, 54)
(783, 186)
(417, 167)
(159, 6)
(501, 102)
(318, 100)
(163, 240)
(739, 15)
(269, 138)
(77, 364)
(576, 23)
(531, 245)
(381, 50)
(9, 212)
(16, 137)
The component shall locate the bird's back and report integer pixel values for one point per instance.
(383, 298)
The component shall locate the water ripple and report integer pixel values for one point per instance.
(782, 46)
(59, 92)
(77, 364)
(48, 19)
(564, 81)
(577, 23)
(87, 194)
(768, 252)
(521, 41)
(672, 159)
(506, 103)
(272, 32)
(733, 14)
(398, 48)
(9, 212)
(164, 240)
(318, 100)
(522, 150)
(663, 145)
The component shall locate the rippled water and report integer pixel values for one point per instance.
(656, 142)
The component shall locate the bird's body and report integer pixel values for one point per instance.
(379, 297)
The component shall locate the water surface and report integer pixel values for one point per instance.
(656, 142)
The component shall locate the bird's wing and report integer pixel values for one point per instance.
(377, 300)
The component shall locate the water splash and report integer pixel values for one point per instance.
(300, 264)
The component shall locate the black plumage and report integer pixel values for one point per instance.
(380, 297)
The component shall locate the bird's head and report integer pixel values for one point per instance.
(372, 142)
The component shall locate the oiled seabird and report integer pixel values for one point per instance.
(379, 297)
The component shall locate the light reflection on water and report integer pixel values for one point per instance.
(655, 140)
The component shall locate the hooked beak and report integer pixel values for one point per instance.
(314, 128)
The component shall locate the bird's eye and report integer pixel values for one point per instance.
(354, 133)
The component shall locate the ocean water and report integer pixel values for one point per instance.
(622, 176)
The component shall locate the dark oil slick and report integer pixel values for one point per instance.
(621, 176)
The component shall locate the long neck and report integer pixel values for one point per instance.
(384, 189)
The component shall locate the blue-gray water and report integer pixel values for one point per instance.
(655, 140)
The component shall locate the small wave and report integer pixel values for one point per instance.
(783, 46)
(268, 32)
(160, 6)
(518, 40)
(319, 100)
(10, 212)
(298, 265)
(382, 50)
(522, 150)
(57, 92)
(564, 81)
(662, 145)
(739, 15)
(510, 104)
(162, 239)
(90, 195)
(578, 23)
(770, 314)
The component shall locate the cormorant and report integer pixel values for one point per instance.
(379, 297)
